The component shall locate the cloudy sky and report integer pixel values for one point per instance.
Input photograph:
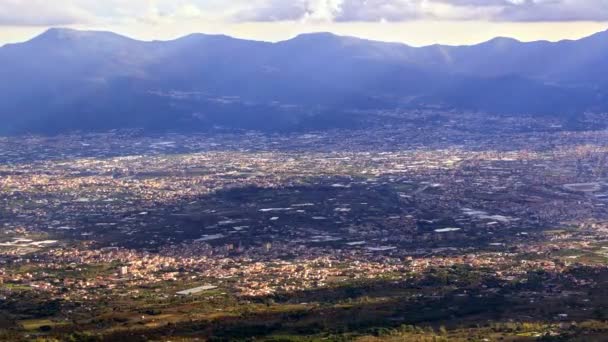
(417, 22)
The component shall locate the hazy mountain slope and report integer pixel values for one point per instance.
(67, 79)
(561, 62)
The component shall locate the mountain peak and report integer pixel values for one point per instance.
(64, 32)
(325, 34)
(204, 35)
(502, 41)
(56, 34)
(200, 37)
(321, 38)
(58, 30)
(317, 36)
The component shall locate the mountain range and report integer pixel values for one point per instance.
(65, 80)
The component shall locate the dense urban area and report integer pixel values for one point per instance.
(438, 226)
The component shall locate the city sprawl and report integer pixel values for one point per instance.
(412, 225)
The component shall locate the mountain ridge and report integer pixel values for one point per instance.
(54, 30)
(66, 79)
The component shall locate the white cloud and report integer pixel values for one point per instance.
(555, 10)
(324, 9)
(96, 12)
(332, 10)
(39, 13)
(69, 12)
(404, 10)
(382, 10)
